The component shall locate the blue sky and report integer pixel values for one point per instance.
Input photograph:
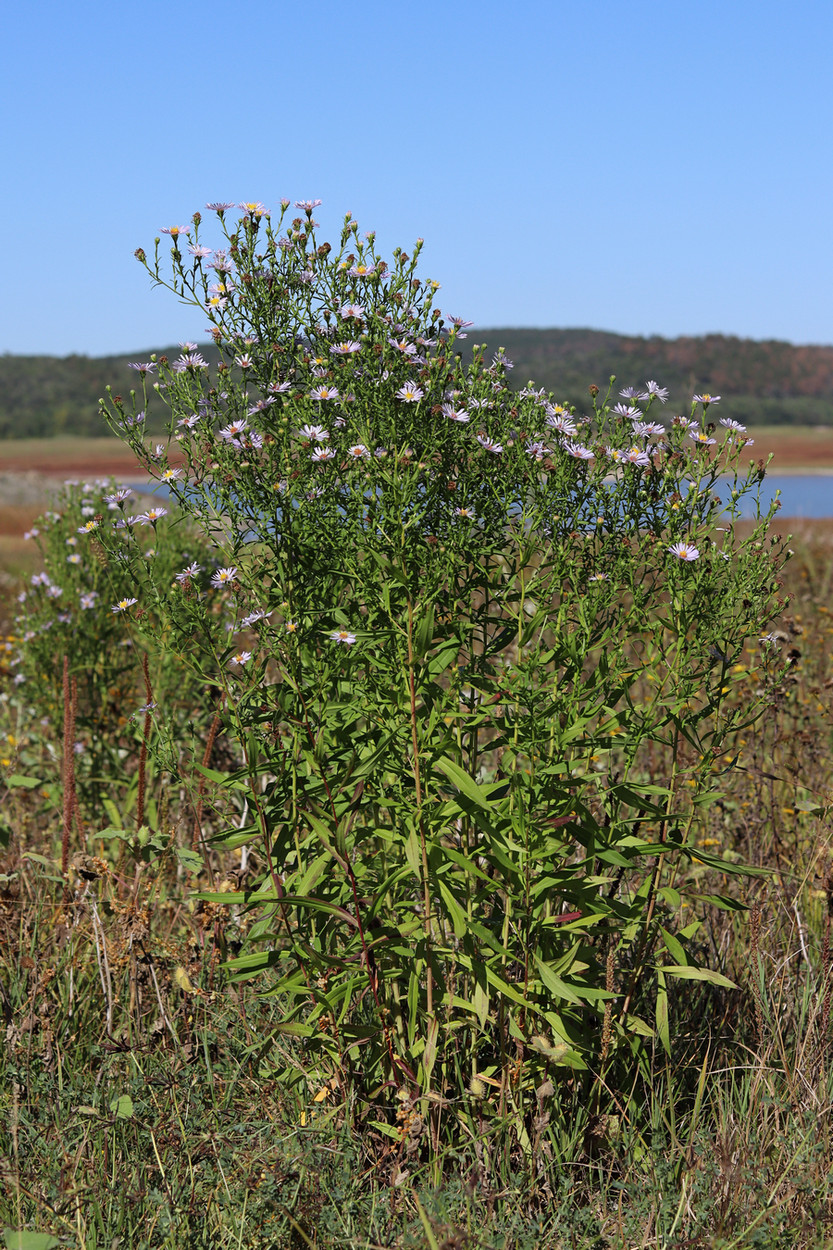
(645, 167)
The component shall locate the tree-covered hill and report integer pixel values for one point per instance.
(761, 382)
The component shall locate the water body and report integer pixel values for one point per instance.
(802, 495)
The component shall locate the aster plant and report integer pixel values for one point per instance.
(483, 677)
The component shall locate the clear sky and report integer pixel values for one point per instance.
(650, 166)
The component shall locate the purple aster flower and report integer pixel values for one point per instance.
(32, 533)
(705, 399)
(322, 453)
(233, 430)
(174, 231)
(245, 361)
(536, 449)
(729, 424)
(361, 271)
(279, 388)
(579, 452)
(241, 658)
(87, 601)
(455, 414)
(55, 592)
(197, 249)
(343, 636)
(627, 410)
(262, 405)
(118, 497)
(254, 208)
(638, 456)
(352, 310)
(88, 527)
(647, 429)
(358, 451)
(192, 360)
(314, 433)
(465, 514)
(633, 392)
(410, 393)
(348, 348)
(253, 617)
(562, 424)
(701, 438)
(123, 605)
(219, 207)
(151, 516)
(224, 577)
(307, 205)
(324, 393)
(187, 573)
(657, 392)
(489, 444)
(684, 551)
(143, 367)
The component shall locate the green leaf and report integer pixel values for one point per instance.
(190, 860)
(21, 1240)
(26, 783)
(461, 781)
(697, 974)
(663, 1030)
(122, 1107)
(674, 948)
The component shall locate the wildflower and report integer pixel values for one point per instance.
(219, 208)
(638, 456)
(410, 393)
(291, 627)
(455, 414)
(87, 601)
(74, 558)
(599, 577)
(626, 410)
(123, 605)
(196, 249)
(732, 425)
(459, 324)
(489, 444)
(174, 231)
(647, 429)
(684, 551)
(151, 516)
(348, 348)
(322, 453)
(579, 452)
(499, 359)
(536, 449)
(191, 360)
(244, 361)
(314, 433)
(170, 475)
(307, 205)
(88, 526)
(352, 310)
(702, 439)
(254, 208)
(232, 432)
(54, 592)
(657, 392)
(32, 533)
(633, 392)
(118, 496)
(187, 573)
(562, 424)
(403, 346)
(705, 399)
(358, 451)
(465, 513)
(224, 577)
(361, 271)
(279, 388)
(241, 658)
(215, 303)
(343, 636)
(145, 709)
(324, 393)
(149, 367)
(260, 615)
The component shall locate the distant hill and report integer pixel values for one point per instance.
(761, 382)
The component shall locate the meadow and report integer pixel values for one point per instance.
(415, 833)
